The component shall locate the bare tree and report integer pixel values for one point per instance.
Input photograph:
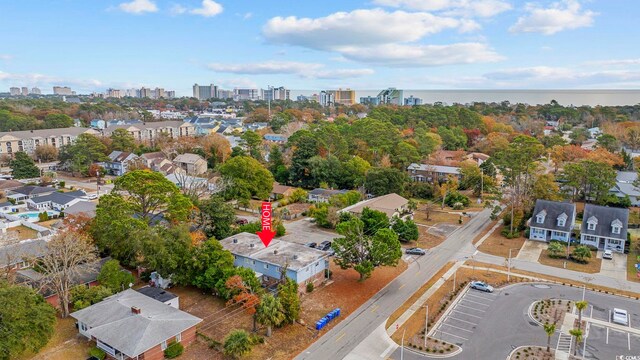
(10, 254)
(66, 259)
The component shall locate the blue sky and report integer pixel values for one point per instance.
(411, 44)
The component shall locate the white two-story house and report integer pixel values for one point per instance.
(552, 220)
(604, 227)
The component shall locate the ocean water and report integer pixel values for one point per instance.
(533, 97)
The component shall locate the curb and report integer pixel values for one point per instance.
(448, 310)
(522, 347)
(436, 356)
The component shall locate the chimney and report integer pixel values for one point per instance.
(295, 257)
(275, 252)
(235, 241)
(135, 310)
(252, 245)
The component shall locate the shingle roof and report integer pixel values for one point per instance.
(120, 156)
(552, 210)
(112, 321)
(386, 203)
(56, 197)
(16, 253)
(33, 190)
(10, 184)
(280, 189)
(188, 158)
(84, 207)
(435, 168)
(605, 216)
(157, 293)
(46, 133)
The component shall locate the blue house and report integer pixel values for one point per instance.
(303, 264)
(278, 138)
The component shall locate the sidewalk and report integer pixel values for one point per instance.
(594, 279)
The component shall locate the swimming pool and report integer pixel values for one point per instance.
(32, 216)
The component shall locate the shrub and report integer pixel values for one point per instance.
(97, 353)
(454, 197)
(174, 350)
(309, 287)
(61, 184)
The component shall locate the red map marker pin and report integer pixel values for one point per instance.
(266, 234)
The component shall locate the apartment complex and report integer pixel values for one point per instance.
(151, 130)
(62, 90)
(273, 93)
(28, 140)
(246, 94)
(205, 92)
(344, 97)
(391, 96)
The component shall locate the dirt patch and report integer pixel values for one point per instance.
(485, 231)
(427, 240)
(533, 353)
(436, 216)
(22, 232)
(296, 208)
(498, 245)
(550, 311)
(592, 267)
(66, 343)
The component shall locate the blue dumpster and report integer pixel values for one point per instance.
(330, 315)
(319, 325)
(338, 312)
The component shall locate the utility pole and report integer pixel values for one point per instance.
(509, 265)
(402, 346)
(426, 325)
(481, 184)
(454, 281)
(98, 183)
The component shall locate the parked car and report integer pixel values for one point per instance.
(242, 221)
(91, 196)
(324, 246)
(620, 316)
(482, 286)
(415, 251)
(607, 254)
(311, 245)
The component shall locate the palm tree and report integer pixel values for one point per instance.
(577, 333)
(581, 253)
(550, 329)
(270, 312)
(237, 343)
(580, 305)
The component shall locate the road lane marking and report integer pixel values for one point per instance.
(492, 298)
(607, 341)
(475, 316)
(459, 328)
(384, 354)
(629, 340)
(464, 321)
(475, 302)
(374, 308)
(341, 336)
(401, 286)
(444, 332)
(468, 307)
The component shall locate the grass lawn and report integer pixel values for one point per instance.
(435, 217)
(426, 240)
(23, 232)
(592, 267)
(344, 292)
(632, 258)
(498, 245)
(65, 343)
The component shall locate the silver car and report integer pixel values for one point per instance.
(482, 286)
(620, 316)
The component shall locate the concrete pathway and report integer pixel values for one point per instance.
(531, 250)
(616, 267)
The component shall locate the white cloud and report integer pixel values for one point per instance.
(560, 16)
(42, 80)
(614, 62)
(209, 8)
(178, 9)
(247, 16)
(237, 83)
(138, 6)
(466, 8)
(6, 57)
(422, 55)
(300, 69)
(359, 27)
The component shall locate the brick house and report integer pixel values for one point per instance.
(131, 325)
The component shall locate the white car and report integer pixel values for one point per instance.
(620, 316)
(607, 254)
(91, 196)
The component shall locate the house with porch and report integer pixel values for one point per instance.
(132, 325)
(432, 173)
(552, 220)
(118, 163)
(604, 227)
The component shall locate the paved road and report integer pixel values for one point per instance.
(489, 326)
(343, 338)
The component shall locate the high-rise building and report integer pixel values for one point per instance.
(327, 98)
(14, 91)
(62, 90)
(344, 97)
(171, 94)
(370, 100)
(25, 91)
(132, 93)
(246, 94)
(160, 94)
(114, 93)
(273, 93)
(145, 92)
(204, 92)
(391, 96)
(224, 94)
(36, 91)
(412, 101)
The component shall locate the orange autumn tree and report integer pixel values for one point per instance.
(243, 295)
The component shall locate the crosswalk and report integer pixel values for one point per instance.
(563, 349)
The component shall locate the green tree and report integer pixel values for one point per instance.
(252, 141)
(406, 230)
(26, 321)
(609, 142)
(216, 217)
(288, 296)
(546, 188)
(247, 178)
(305, 147)
(355, 170)
(577, 334)
(452, 138)
(53, 121)
(590, 179)
(549, 329)
(581, 305)
(113, 277)
(23, 166)
(276, 160)
(581, 253)
(86, 150)
(364, 252)
(374, 220)
(237, 343)
(122, 140)
(151, 194)
(404, 154)
(381, 181)
(209, 264)
(83, 296)
(270, 312)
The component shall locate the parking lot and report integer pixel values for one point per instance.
(606, 342)
(461, 322)
(303, 231)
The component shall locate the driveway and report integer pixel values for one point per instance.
(531, 250)
(303, 231)
(616, 267)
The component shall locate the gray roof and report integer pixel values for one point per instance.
(33, 190)
(157, 293)
(626, 176)
(627, 189)
(188, 158)
(281, 253)
(16, 253)
(552, 210)
(326, 192)
(434, 168)
(86, 207)
(605, 216)
(56, 197)
(112, 321)
(5, 204)
(46, 133)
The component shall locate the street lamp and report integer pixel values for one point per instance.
(426, 325)
(402, 346)
(509, 265)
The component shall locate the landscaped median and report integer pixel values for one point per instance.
(531, 353)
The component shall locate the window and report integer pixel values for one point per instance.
(561, 222)
(179, 337)
(83, 327)
(540, 219)
(615, 242)
(266, 266)
(616, 230)
(163, 346)
(591, 226)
